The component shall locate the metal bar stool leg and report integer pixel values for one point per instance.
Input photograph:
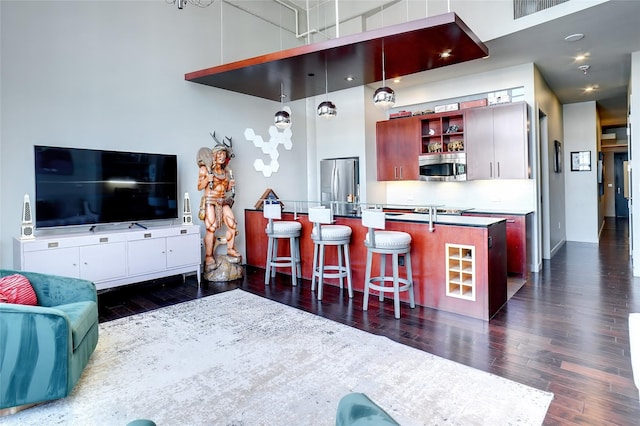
(321, 272)
(298, 257)
(275, 255)
(347, 258)
(267, 273)
(407, 262)
(340, 265)
(367, 280)
(315, 267)
(383, 270)
(294, 264)
(396, 286)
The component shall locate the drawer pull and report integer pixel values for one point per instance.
(147, 235)
(52, 245)
(104, 239)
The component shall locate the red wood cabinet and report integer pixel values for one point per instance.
(516, 241)
(428, 260)
(397, 149)
(494, 138)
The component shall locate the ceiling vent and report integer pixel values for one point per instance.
(527, 7)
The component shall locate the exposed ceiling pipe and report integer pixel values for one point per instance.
(296, 12)
(337, 21)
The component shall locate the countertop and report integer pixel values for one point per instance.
(442, 219)
(513, 212)
(445, 219)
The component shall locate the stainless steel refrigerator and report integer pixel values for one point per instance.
(340, 181)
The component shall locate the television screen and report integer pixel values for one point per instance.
(88, 187)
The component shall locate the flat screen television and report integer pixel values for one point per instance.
(91, 187)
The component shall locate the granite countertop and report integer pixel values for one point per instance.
(514, 212)
(445, 219)
(442, 219)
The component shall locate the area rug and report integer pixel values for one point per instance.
(240, 359)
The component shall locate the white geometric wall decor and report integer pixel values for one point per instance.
(269, 148)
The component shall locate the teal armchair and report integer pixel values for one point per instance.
(45, 348)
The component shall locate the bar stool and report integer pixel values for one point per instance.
(275, 230)
(324, 234)
(384, 243)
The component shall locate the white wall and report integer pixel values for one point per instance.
(634, 146)
(581, 190)
(489, 19)
(342, 135)
(110, 75)
(550, 184)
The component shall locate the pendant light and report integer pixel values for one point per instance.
(282, 118)
(384, 97)
(327, 109)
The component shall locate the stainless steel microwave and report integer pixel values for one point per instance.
(449, 166)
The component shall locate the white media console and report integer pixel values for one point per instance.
(114, 258)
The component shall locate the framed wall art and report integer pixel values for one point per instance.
(581, 161)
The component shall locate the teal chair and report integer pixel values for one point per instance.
(356, 409)
(45, 348)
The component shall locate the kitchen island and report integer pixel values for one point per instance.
(459, 267)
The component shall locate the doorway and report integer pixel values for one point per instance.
(621, 202)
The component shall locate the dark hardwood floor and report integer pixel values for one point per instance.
(564, 331)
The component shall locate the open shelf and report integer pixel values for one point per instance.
(461, 278)
(443, 133)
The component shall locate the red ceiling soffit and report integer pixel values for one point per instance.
(409, 48)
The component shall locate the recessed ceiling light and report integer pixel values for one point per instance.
(590, 89)
(349, 78)
(446, 53)
(582, 56)
(574, 37)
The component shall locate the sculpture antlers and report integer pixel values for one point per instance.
(228, 147)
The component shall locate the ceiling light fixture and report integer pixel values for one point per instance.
(574, 37)
(282, 117)
(327, 109)
(446, 54)
(384, 97)
(199, 3)
(584, 68)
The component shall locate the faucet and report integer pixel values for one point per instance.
(433, 215)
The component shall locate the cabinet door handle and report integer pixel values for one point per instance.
(395, 173)
(498, 167)
(511, 221)
(400, 172)
(490, 169)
